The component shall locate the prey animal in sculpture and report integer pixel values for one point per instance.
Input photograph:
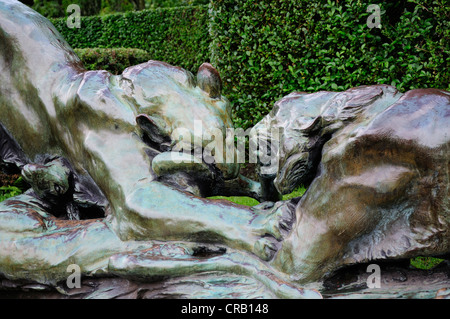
(118, 133)
(377, 164)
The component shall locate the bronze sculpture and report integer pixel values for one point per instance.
(101, 122)
(114, 132)
(98, 151)
(377, 162)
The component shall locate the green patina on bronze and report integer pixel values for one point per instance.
(115, 132)
(377, 165)
(376, 162)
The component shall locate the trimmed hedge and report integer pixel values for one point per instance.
(152, 4)
(267, 49)
(113, 60)
(178, 36)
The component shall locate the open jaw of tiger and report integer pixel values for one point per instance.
(92, 144)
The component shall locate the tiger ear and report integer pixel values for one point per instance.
(208, 79)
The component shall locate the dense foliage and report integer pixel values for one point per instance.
(111, 6)
(152, 4)
(267, 49)
(53, 9)
(178, 36)
(11, 185)
(114, 60)
(58, 8)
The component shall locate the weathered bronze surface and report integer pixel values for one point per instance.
(377, 164)
(107, 195)
(88, 141)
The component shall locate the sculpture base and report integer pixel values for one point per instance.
(398, 281)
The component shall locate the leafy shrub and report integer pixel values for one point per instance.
(178, 36)
(266, 49)
(425, 262)
(54, 9)
(152, 4)
(16, 188)
(9, 191)
(248, 201)
(50, 9)
(111, 6)
(113, 60)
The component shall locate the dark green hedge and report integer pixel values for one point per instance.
(113, 60)
(174, 3)
(266, 49)
(178, 36)
(54, 9)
